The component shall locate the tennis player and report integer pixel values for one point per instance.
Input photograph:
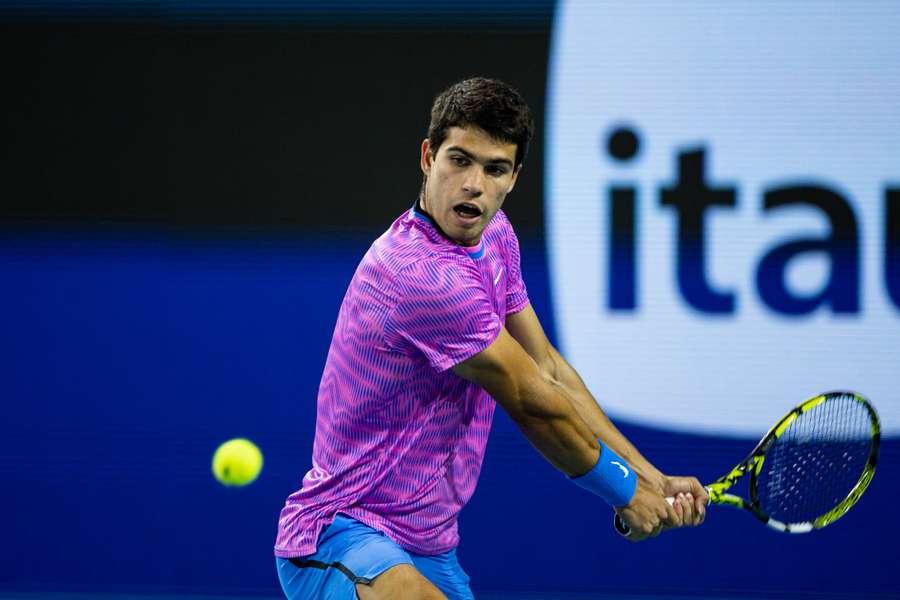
(435, 330)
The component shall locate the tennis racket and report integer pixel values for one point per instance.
(809, 469)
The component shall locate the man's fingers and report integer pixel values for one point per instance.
(685, 485)
(678, 505)
(672, 518)
(701, 501)
(700, 509)
(684, 506)
(691, 488)
(636, 535)
(652, 524)
(696, 488)
(678, 485)
(688, 516)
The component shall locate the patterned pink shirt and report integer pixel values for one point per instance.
(399, 437)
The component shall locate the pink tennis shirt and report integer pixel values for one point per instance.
(400, 437)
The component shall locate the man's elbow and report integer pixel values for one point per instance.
(549, 363)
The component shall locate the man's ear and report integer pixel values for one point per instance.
(427, 158)
(515, 178)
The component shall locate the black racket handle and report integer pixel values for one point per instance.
(621, 526)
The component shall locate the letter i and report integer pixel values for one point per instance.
(622, 144)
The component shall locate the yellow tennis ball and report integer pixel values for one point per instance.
(237, 462)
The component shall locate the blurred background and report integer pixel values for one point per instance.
(710, 229)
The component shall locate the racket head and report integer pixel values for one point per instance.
(815, 463)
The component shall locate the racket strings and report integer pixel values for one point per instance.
(817, 460)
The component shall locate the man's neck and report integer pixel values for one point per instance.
(421, 210)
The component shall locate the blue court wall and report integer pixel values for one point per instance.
(128, 355)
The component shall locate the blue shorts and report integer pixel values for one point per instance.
(350, 552)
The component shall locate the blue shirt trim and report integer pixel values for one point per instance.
(479, 254)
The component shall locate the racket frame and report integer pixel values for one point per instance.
(753, 465)
(718, 490)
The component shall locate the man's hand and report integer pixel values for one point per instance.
(691, 499)
(648, 513)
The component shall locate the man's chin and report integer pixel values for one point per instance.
(465, 234)
(470, 233)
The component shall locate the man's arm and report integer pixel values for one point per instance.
(540, 406)
(546, 418)
(525, 327)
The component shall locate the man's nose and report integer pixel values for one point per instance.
(474, 182)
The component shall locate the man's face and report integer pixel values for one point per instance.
(467, 181)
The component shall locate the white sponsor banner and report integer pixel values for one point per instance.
(729, 313)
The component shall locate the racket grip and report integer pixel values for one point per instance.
(623, 528)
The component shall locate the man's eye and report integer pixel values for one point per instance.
(460, 160)
(496, 171)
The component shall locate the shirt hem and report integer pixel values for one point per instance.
(420, 551)
(290, 553)
(518, 306)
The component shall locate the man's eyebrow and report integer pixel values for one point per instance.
(468, 154)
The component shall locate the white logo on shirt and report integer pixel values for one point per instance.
(499, 273)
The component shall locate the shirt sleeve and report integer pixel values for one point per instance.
(442, 311)
(516, 293)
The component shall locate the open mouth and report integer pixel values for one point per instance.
(467, 210)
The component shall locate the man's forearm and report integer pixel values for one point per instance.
(600, 425)
(552, 423)
(536, 402)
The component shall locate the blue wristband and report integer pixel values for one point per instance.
(611, 478)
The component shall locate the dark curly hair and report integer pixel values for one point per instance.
(489, 104)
